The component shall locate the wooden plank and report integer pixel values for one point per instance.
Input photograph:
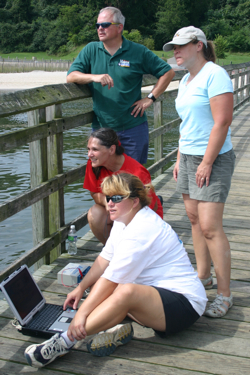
(192, 339)
(158, 141)
(11, 368)
(55, 166)
(165, 160)
(44, 247)
(31, 196)
(40, 97)
(19, 138)
(39, 174)
(163, 129)
(86, 364)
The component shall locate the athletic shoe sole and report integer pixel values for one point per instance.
(105, 343)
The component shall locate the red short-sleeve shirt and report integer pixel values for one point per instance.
(130, 165)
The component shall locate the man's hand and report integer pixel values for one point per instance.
(84, 79)
(104, 80)
(141, 106)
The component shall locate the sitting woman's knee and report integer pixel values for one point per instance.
(96, 213)
(124, 292)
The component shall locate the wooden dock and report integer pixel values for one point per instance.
(211, 346)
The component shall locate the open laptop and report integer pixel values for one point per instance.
(36, 317)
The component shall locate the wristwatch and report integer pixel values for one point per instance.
(151, 96)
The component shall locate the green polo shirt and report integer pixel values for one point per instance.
(112, 106)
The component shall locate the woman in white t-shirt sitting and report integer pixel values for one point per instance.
(142, 272)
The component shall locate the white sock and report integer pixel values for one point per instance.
(67, 340)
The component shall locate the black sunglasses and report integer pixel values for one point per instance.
(105, 25)
(115, 198)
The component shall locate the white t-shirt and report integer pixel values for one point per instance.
(148, 251)
(193, 107)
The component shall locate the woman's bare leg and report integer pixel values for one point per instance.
(141, 301)
(210, 241)
(203, 259)
(99, 222)
(210, 217)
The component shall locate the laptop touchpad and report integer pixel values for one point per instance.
(63, 321)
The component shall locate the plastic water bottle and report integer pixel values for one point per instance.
(72, 238)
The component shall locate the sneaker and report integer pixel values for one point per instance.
(40, 355)
(218, 308)
(105, 343)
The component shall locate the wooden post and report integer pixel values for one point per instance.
(158, 142)
(247, 81)
(242, 82)
(55, 166)
(39, 174)
(236, 85)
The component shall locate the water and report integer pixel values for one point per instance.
(16, 231)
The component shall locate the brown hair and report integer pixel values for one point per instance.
(128, 185)
(107, 137)
(208, 52)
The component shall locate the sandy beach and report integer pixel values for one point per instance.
(37, 78)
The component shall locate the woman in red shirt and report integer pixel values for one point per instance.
(106, 157)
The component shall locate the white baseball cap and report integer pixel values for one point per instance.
(184, 36)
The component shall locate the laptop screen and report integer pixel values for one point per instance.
(23, 292)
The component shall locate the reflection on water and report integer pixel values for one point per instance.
(16, 232)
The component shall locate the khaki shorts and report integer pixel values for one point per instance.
(220, 179)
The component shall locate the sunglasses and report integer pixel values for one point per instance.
(105, 25)
(115, 198)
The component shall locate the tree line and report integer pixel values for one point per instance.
(59, 26)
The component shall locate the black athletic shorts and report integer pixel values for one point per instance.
(179, 312)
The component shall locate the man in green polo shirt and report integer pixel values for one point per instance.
(113, 68)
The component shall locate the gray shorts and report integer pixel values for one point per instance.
(220, 179)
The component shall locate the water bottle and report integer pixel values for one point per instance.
(72, 238)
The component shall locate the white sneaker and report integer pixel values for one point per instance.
(40, 355)
(105, 343)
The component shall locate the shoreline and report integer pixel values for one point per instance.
(12, 82)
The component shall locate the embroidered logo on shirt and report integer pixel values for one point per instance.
(124, 63)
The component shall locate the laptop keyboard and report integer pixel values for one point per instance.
(45, 318)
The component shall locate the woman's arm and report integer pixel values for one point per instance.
(222, 112)
(102, 289)
(90, 279)
(99, 198)
(176, 167)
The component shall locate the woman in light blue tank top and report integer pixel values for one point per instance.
(205, 160)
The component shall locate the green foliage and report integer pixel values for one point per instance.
(220, 47)
(171, 17)
(149, 43)
(239, 41)
(175, 14)
(134, 36)
(231, 20)
(58, 26)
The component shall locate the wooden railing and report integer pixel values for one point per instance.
(45, 137)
